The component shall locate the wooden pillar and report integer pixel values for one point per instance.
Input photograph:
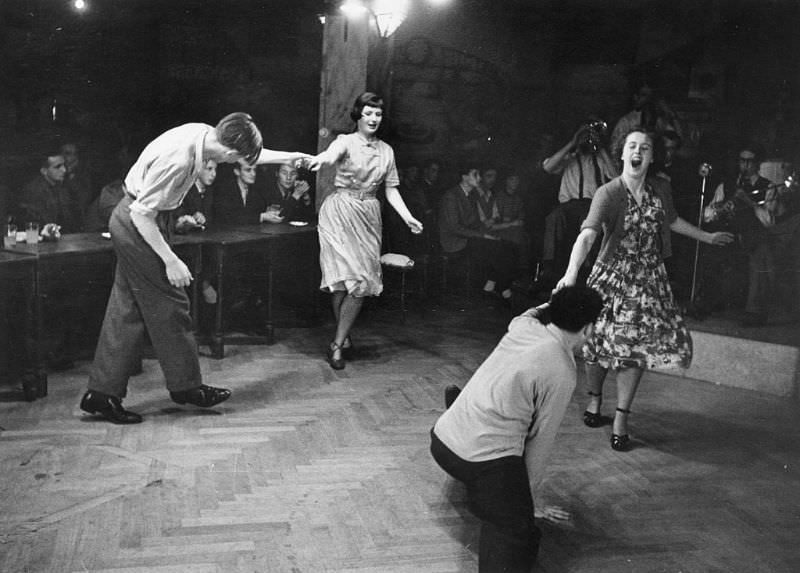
(345, 53)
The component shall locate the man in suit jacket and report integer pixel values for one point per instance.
(461, 230)
(240, 202)
(293, 195)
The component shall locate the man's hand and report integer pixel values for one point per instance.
(185, 222)
(271, 217)
(178, 273)
(721, 238)
(300, 189)
(200, 218)
(552, 513)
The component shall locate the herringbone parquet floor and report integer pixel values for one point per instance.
(310, 470)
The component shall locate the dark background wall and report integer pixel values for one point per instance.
(508, 80)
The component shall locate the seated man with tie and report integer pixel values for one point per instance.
(585, 165)
(292, 195)
(240, 202)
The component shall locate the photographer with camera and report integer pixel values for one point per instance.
(585, 165)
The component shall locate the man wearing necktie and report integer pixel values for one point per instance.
(585, 165)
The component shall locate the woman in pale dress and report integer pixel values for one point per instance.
(350, 218)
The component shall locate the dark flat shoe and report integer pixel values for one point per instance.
(202, 396)
(109, 407)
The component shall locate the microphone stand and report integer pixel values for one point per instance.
(705, 171)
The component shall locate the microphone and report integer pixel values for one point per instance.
(705, 170)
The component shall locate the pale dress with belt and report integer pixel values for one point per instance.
(350, 217)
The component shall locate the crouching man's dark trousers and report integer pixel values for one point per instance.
(499, 494)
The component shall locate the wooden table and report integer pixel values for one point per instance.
(80, 266)
(19, 343)
(84, 263)
(272, 242)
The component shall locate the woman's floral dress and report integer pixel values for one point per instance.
(639, 326)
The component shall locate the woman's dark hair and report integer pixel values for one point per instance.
(651, 135)
(366, 99)
(238, 131)
(572, 308)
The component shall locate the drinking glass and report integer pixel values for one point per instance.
(32, 233)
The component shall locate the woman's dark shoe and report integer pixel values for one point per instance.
(348, 350)
(621, 442)
(594, 419)
(109, 407)
(203, 396)
(330, 354)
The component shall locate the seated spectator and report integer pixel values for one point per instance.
(45, 199)
(585, 165)
(196, 213)
(77, 180)
(461, 231)
(99, 212)
(485, 198)
(100, 209)
(291, 195)
(196, 210)
(511, 224)
(239, 201)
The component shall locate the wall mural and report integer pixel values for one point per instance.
(446, 100)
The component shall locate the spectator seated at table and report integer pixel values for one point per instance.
(45, 199)
(292, 195)
(100, 210)
(196, 214)
(78, 180)
(196, 210)
(238, 201)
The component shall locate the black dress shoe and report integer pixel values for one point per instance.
(110, 407)
(203, 396)
(451, 392)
